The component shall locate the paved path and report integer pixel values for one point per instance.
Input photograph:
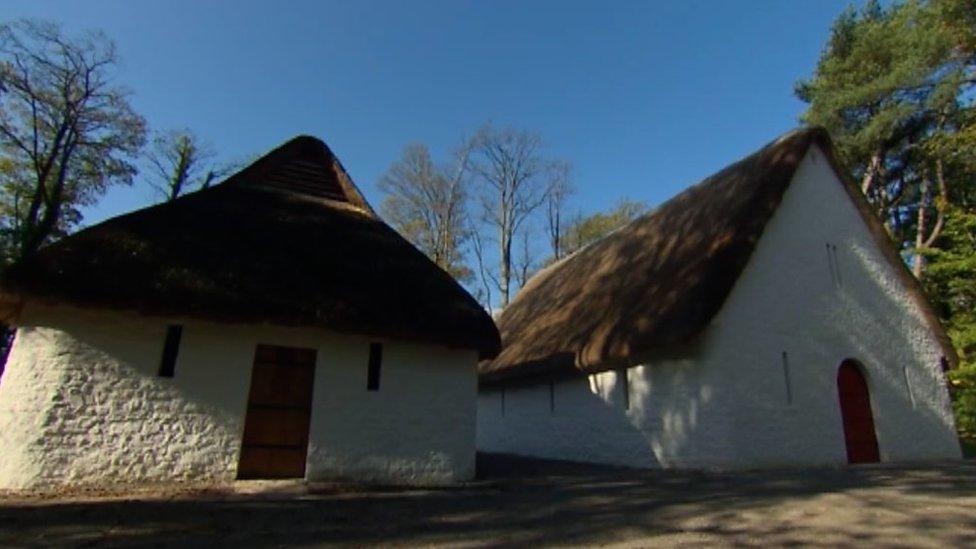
(528, 502)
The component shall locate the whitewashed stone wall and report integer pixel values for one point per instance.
(729, 401)
(418, 428)
(81, 402)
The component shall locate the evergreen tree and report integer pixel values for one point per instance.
(951, 282)
(890, 82)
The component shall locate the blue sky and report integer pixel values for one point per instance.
(643, 98)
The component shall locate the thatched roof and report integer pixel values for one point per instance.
(288, 240)
(659, 280)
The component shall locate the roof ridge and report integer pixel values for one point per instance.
(277, 169)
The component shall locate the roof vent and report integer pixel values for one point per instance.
(306, 177)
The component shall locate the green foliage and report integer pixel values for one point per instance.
(873, 81)
(951, 282)
(962, 382)
(584, 230)
(889, 82)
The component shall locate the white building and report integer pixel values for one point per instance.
(760, 318)
(270, 326)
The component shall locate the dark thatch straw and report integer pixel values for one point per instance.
(288, 240)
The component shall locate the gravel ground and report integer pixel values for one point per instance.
(525, 502)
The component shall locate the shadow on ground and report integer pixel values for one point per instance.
(522, 501)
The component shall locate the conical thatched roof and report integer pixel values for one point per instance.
(288, 240)
(659, 280)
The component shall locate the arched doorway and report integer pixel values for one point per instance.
(855, 408)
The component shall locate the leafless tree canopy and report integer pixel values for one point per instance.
(66, 132)
(526, 260)
(427, 204)
(486, 277)
(559, 190)
(181, 162)
(508, 180)
(511, 173)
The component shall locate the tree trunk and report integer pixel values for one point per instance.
(556, 237)
(871, 172)
(918, 262)
(941, 205)
(925, 241)
(506, 268)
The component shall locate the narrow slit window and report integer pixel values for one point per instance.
(625, 379)
(830, 265)
(833, 250)
(908, 386)
(786, 378)
(171, 348)
(375, 360)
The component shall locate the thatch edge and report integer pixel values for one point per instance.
(12, 306)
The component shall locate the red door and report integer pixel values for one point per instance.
(855, 407)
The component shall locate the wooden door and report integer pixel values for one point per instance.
(279, 409)
(855, 408)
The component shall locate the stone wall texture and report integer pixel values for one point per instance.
(81, 403)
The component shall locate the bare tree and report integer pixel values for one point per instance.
(485, 276)
(511, 172)
(181, 162)
(558, 191)
(427, 204)
(525, 263)
(66, 132)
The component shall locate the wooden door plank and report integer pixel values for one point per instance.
(274, 443)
